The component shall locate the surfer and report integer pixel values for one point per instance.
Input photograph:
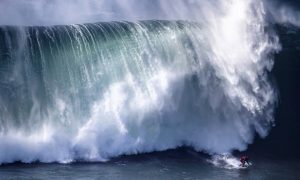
(244, 159)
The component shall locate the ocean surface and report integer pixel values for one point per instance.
(175, 164)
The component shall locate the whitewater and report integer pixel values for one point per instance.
(94, 91)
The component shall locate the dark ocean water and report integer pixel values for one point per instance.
(174, 164)
(283, 139)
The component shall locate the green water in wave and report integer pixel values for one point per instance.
(76, 63)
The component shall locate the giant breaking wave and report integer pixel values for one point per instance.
(95, 91)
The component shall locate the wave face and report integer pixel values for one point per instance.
(95, 91)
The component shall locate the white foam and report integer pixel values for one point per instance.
(227, 161)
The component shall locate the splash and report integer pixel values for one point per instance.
(227, 161)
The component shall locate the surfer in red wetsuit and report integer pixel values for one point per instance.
(244, 159)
